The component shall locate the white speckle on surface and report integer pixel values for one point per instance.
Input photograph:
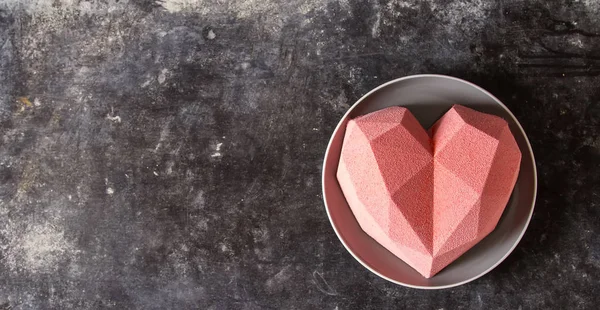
(260, 234)
(116, 118)
(162, 76)
(211, 35)
(245, 65)
(202, 224)
(469, 15)
(377, 23)
(85, 7)
(35, 6)
(576, 42)
(40, 249)
(242, 9)
(463, 13)
(70, 197)
(224, 247)
(37, 102)
(170, 165)
(146, 83)
(164, 134)
(592, 5)
(155, 173)
(49, 6)
(199, 200)
(217, 150)
(174, 6)
(110, 190)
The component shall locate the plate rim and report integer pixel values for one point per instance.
(535, 181)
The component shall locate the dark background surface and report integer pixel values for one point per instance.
(167, 154)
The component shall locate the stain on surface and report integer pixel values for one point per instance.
(38, 249)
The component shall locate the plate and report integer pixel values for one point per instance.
(428, 97)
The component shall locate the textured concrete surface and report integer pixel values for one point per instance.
(167, 154)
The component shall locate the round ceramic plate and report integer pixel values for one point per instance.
(428, 97)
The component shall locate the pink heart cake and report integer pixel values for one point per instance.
(428, 197)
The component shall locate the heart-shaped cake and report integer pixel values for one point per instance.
(428, 197)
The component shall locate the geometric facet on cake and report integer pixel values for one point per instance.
(428, 196)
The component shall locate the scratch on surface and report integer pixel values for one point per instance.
(164, 134)
(146, 83)
(377, 23)
(116, 118)
(279, 278)
(322, 285)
